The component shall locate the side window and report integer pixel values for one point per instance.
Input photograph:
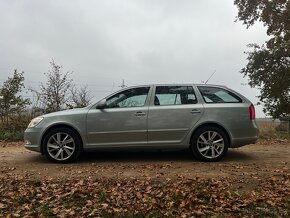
(135, 97)
(218, 95)
(174, 95)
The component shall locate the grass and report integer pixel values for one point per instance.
(46, 211)
(102, 198)
(273, 130)
(260, 210)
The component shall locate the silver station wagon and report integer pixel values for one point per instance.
(206, 119)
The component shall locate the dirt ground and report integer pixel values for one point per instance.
(251, 181)
(251, 163)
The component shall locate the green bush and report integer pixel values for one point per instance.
(14, 135)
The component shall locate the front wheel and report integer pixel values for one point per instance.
(209, 144)
(62, 145)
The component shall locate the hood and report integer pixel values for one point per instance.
(67, 112)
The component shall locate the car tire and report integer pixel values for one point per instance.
(62, 145)
(209, 144)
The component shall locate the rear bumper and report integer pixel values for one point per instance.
(243, 141)
(238, 142)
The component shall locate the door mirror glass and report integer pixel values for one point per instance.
(102, 104)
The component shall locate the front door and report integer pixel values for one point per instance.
(122, 122)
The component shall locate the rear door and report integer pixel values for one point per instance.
(173, 111)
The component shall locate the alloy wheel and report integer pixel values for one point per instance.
(210, 144)
(61, 146)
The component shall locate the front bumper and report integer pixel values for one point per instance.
(32, 147)
(32, 139)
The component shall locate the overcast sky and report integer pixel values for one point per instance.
(149, 41)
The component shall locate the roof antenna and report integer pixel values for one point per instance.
(209, 77)
(123, 84)
(113, 86)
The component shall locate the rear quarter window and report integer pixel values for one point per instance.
(218, 95)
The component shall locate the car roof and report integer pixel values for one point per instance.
(178, 84)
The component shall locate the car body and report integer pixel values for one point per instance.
(207, 119)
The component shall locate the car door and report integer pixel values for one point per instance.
(123, 121)
(172, 113)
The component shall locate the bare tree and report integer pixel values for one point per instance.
(79, 97)
(53, 94)
(36, 107)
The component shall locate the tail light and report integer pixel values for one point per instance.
(252, 112)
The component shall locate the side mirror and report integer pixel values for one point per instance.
(102, 104)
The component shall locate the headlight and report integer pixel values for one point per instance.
(34, 122)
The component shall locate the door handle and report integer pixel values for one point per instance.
(140, 113)
(195, 111)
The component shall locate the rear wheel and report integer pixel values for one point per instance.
(209, 143)
(62, 145)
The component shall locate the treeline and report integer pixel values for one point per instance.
(59, 92)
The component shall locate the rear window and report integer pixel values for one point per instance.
(218, 95)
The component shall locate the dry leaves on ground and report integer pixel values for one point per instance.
(183, 197)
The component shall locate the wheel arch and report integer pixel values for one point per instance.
(60, 125)
(212, 124)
